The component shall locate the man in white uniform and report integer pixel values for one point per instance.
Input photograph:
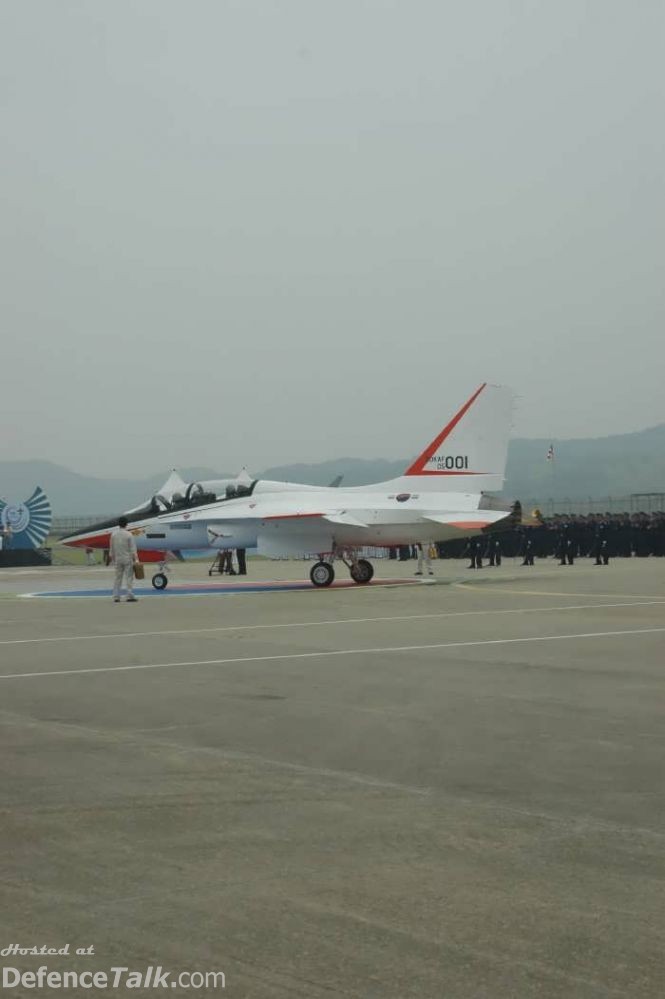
(123, 555)
(424, 557)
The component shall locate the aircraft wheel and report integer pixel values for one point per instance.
(362, 571)
(160, 581)
(322, 574)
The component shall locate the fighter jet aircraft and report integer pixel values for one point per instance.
(440, 496)
(175, 494)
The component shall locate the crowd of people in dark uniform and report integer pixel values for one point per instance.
(566, 537)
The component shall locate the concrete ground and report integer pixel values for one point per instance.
(449, 791)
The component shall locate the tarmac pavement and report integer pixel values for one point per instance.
(450, 791)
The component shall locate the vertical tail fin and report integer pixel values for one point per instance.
(470, 452)
(469, 455)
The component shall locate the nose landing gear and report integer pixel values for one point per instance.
(160, 580)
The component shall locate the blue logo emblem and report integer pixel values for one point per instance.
(26, 524)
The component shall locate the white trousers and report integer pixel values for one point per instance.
(123, 569)
(423, 556)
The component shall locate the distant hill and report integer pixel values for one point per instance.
(590, 467)
(596, 467)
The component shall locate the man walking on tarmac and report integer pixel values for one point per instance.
(124, 556)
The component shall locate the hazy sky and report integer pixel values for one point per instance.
(256, 231)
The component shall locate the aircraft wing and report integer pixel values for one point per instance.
(284, 532)
(473, 519)
(311, 525)
(331, 517)
(347, 519)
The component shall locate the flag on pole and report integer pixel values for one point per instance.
(550, 453)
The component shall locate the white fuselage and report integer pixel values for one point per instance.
(290, 517)
(431, 501)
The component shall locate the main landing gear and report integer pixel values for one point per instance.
(322, 573)
(361, 571)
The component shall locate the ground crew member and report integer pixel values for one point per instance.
(124, 556)
(493, 551)
(566, 548)
(600, 550)
(474, 552)
(527, 551)
(226, 562)
(424, 557)
(242, 561)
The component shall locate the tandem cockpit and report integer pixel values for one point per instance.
(197, 494)
(176, 495)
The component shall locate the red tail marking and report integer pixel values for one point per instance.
(418, 467)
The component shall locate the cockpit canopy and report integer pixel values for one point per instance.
(200, 493)
(177, 495)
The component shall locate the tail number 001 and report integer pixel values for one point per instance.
(458, 462)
